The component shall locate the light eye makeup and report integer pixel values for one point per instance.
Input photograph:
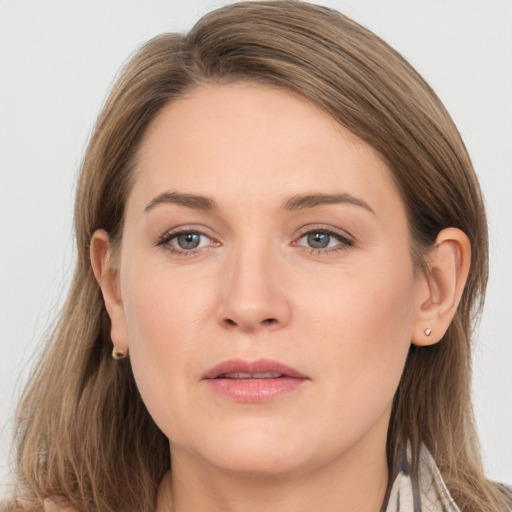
(323, 241)
(189, 241)
(186, 242)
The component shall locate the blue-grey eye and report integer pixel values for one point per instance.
(318, 240)
(324, 239)
(188, 241)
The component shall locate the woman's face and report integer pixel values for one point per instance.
(267, 288)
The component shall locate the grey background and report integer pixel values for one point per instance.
(57, 61)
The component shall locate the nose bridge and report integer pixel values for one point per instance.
(254, 297)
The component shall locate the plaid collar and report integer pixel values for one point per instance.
(427, 493)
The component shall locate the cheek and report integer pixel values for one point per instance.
(364, 324)
(162, 323)
(164, 306)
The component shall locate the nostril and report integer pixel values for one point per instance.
(268, 321)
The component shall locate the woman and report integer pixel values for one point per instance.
(281, 247)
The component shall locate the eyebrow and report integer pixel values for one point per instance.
(297, 202)
(301, 202)
(189, 200)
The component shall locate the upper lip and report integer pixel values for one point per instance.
(260, 366)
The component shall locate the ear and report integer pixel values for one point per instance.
(108, 279)
(440, 288)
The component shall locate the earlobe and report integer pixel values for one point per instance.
(441, 287)
(108, 279)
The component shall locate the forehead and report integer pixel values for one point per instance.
(258, 143)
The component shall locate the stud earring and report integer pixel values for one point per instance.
(427, 332)
(117, 354)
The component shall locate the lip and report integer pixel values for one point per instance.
(273, 379)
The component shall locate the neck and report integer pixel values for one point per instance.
(356, 482)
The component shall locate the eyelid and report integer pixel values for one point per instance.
(345, 239)
(317, 228)
(164, 240)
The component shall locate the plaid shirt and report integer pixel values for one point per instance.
(427, 493)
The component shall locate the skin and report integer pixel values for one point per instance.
(344, 315)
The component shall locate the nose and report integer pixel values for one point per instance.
(254, 293)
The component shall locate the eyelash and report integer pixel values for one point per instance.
(165, 242)
(343, 242)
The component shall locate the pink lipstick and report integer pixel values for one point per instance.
(253, 381)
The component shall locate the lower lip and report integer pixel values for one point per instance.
(255, 390)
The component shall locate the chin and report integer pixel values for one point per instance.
(257, 454)
(262, 463)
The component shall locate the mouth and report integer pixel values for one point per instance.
(254, 381)
(245, 376)
(259, 369)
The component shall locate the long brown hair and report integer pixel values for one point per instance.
(84, 435)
